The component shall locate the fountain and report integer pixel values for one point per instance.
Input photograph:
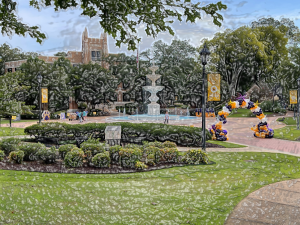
(153, 107)
(119, 112)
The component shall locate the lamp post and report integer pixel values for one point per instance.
(298, 95)
(39, 79)
(204, 53)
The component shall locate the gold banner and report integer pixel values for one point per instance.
(213, 88)
(13, 117)
(44, 95)
(293, 96)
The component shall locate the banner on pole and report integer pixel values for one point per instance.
(293, 96)
(44, 95)
(214, 81)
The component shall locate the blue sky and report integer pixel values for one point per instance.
(64, 28)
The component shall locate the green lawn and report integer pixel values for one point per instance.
(6, 121)
(226, 144)
(289, 121)
(287, 133)
(244, 113)
(11, 131)
(183, 195)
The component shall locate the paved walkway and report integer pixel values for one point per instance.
(277, 203)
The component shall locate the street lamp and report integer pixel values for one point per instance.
(298, 82)
(39, 79)
(204, 53)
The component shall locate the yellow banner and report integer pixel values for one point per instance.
(293, 96)
(44, 95)
(13, 117)
(213, 88)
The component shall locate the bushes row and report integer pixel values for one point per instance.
(181, 135)
(99, 155)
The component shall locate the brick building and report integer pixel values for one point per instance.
(93, 49)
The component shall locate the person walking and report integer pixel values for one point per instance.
(166, 117)
(84, 115)
(80, 117)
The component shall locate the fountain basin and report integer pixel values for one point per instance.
(146, 117)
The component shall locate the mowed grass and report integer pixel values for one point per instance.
(244, 113)
(11, 131)
(288, 121)
(204, 194)
(287, 133)
(226, 144)
(6, 121)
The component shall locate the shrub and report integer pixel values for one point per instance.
(169, 144)
(64, 149)
(154, 144)
(195, 156)
(169, 155)
(140, 165)
(48, 155)
(2, 154)
(91, 149)
(153, 154)
(9, 144)
(31, 150)
(74, 158)
(114, 153)
(16, 156)
(101, 160)
(129, 156)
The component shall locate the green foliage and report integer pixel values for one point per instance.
(181, 135)
(169, 155)
(153, 154)
(64, 149)
(150, 159)
(121, 19)
(114, 153)
(266, 106)
(140, 165)
(169, 144)
(48, 155)
(74, 158)
(195, 157)
(129, 156)
(2, 154)
(101, 160)
(91, 149)
(9, 144)
(31, 150)
(16, 156)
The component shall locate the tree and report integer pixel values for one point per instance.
(93, 84)
(247, 54)
(61, 54)
(118, 18)
(7, 54)
(9, 85)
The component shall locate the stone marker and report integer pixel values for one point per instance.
(113, 135)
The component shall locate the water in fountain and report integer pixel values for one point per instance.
(124, 112)
(187, 112)
(119, 112)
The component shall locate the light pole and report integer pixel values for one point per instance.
(39, 79)
(204, 53)
(298, 95)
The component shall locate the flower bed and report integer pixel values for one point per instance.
(105, 159)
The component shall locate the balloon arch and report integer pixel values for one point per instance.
(261, 130)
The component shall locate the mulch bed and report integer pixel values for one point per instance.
(59, 167)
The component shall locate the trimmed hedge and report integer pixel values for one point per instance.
(48, 155)
(9, 144)
(2, 154)
(31, 150)
(114, 153)
(74, 158)
(64, 149)
(16, 156)
(129, 157)
(91, 149)
(101, 160)
(195, 156)
(181, 135)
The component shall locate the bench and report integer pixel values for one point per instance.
(281, 119)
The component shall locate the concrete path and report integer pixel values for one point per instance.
(277, 203)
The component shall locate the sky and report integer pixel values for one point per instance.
(64, 29)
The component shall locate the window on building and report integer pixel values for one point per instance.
(96, 55)
(9, 70)
(17, 69)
